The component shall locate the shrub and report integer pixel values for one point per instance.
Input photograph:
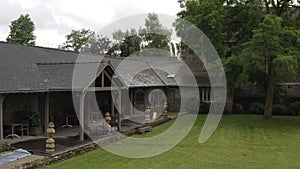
(256, 108)
(5, 147)
(294, 108)
(204, 108)
(238, 109)
(191, 105)
(279, 109)
(35, 119)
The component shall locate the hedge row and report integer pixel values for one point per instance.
(278, 109)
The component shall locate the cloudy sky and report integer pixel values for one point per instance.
(54, 19)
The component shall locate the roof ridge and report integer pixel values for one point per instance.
(66, 63)
(41, 47)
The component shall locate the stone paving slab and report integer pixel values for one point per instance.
(18, 163)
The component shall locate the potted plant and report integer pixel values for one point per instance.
(35, 124)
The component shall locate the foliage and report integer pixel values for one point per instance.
(21, 31)
(127, 43)
(280, 109)
(87, 41)
(152, 36)
(97, 45)
(204, 107)
(5, 147)
(256, 39)
(256, 108)
(238, 109)
(77, 40)
(191, 105)
(267, 56)
(35, 119)
(294, 108)
(207, 15)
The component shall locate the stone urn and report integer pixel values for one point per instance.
(50, 142)
(147, 113)
(165, 114)
(107, 117)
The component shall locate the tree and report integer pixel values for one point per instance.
(234, 27)
(152, 36)
(87, 41)
(21, 31)
(126, 43)
(78, 40)
(207, 15)
(271, 55)
(98, 45)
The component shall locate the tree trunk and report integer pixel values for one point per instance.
(270, 95)
(229, 103)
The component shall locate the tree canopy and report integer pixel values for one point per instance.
(22, 31)
(77, 40)
(87, 41)
(152, 36)
(124, 43)
(257, 40)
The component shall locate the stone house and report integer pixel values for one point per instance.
(38, 79)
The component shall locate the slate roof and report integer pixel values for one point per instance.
(39, 69)
(59, 77)
(135, 73)
(164, 66)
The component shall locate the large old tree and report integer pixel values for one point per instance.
(257, 39)
(271, 56)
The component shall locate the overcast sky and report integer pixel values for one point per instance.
(54, 19)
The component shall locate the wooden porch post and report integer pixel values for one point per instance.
(131, 102)
(120, 109)
(81, 116)
(112, 104)
(46, 112)
(1, 116)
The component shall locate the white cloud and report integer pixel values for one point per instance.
(48, 36)
(56, 18)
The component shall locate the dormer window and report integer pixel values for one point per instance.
(171, 75)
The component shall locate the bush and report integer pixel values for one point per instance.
(256, 108)
(238, 109)
(35, 119)
(204, 108)
(5, 147)
(191, 105)
(279, 109)
(294, 108)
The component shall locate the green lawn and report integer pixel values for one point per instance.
(241, 141)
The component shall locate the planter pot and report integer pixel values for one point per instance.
(35, 131)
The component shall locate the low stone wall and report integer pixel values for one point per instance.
(153, 124)
(69, 153)
(76, 151)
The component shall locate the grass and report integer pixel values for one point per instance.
(241, 141)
